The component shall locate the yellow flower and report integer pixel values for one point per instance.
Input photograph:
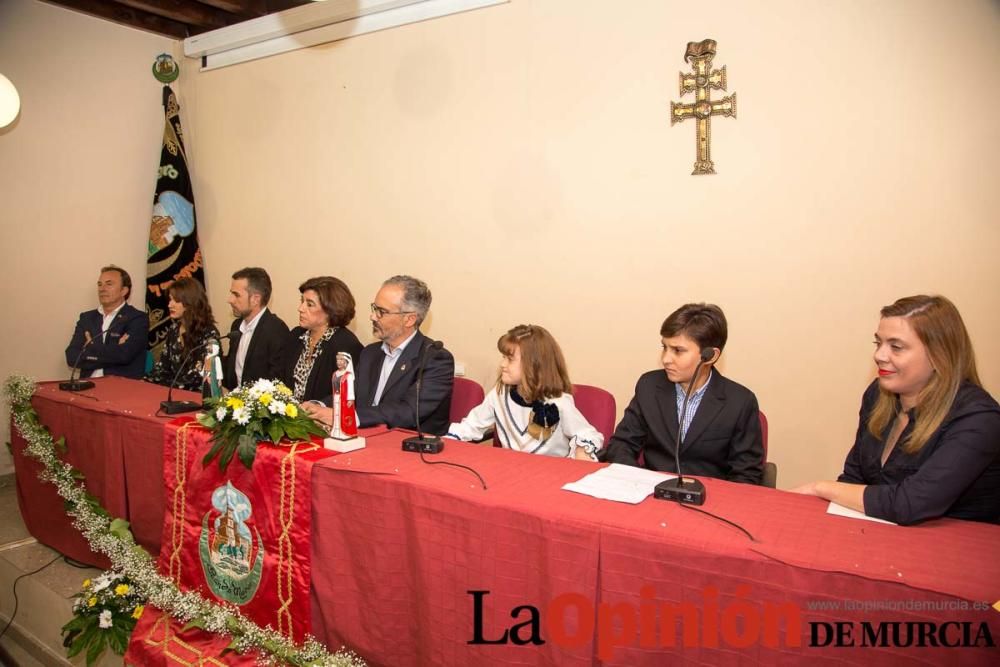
(234, 403)
(121, 589)
(91, 602)
(265, 398)
(138, 611)
(291, 411)
(86, 583)
(282, 389)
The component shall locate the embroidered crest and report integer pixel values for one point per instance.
(231, 562)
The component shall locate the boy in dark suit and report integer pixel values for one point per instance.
(721, 436)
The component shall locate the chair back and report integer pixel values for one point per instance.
(770, 469)
(598, 406)
(465, 395)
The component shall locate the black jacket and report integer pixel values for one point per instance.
(127, 358)
(956, 473)
(723, 441)
(399, 398)
(320, 378)
(265, 356)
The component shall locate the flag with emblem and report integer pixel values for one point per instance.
(173, 251)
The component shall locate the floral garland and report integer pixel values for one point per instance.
(113, 538)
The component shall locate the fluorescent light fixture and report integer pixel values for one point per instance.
(318, 23)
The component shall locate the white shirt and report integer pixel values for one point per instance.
(105, 325)
(246, 333)
(391, 357)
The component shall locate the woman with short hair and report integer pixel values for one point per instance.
(326, 308)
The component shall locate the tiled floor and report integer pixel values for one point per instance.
(43, 598)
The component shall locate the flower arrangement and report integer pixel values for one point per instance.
(248, 415)
(113, 538)
(105, 612)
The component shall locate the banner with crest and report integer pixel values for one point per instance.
(240, 536)
(173, 250)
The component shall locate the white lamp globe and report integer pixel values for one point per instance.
(10, 102)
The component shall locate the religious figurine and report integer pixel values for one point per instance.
(345, 418)
(212, 372)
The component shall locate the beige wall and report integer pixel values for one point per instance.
(521, 160)
(76, 174)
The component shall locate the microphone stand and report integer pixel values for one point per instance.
(429, 444)
(172, 407)
(78, 385)
(685, 491)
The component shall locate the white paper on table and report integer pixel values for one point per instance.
(621, 483)
(840, 510)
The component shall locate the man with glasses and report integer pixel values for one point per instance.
(386, 385)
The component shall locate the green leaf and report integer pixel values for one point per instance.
(120, 529)
(196, 622)
(247, 454)
(60, 445)
(207, 419)
(213, 452)
(275, 430)
(96, 648)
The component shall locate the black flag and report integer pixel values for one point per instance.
(173, 233)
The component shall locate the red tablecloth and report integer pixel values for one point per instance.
(402, 543)
(116, 440)
(398, 545)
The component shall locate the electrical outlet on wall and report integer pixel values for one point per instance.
(459, 369)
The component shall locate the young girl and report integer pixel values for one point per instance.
(531, 407)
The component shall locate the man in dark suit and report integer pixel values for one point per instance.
(258, 336)
(721, 436)
(111, 339)
(385, 386)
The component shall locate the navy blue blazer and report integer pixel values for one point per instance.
(397, 409)
(123, 350)
(723, 441)
(956, 473)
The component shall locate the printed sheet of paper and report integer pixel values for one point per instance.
(621, 483)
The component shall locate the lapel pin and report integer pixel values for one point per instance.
(402, 369)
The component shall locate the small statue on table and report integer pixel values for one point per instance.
(345, 418)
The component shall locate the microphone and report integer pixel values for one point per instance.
(429, 444)
(685, 491)
(172, 407)
(78, 385)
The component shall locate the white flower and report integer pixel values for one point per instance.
(220, 414)
(263, 386)
(242, 416)
(276, 407)
(102, 582)
(104, 620)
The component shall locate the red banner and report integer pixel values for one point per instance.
(235, 535)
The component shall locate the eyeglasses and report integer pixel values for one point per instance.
(379, 312)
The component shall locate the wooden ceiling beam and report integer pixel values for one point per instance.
(248, 8)
(112, 11)
(185, 11)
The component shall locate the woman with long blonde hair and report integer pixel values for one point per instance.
(928, 442)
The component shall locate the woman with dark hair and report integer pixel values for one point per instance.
(326, 308)
(720, 435)
(192, 326)
(928, 440)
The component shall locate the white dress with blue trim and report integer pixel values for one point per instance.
(505, 411)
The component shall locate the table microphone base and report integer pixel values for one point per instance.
(687, 491)
(428, 444)
(76, 385)
(178, 407)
